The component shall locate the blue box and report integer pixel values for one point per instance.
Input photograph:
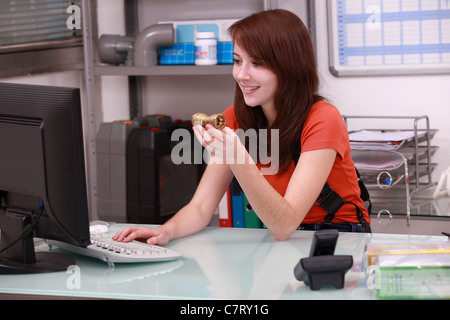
(180, 53)
(225, 53)
(184, 54)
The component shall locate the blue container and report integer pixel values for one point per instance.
(225, 53)
(180, 53)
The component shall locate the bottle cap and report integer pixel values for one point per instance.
(205, 35)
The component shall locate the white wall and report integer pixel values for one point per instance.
(391, 96)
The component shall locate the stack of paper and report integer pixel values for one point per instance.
(380, 139)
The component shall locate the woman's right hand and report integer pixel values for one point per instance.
(154, 236)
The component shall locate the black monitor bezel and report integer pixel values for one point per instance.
(59, 109)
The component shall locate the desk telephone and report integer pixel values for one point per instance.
(322, 266)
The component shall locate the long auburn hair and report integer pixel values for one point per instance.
(279, 41)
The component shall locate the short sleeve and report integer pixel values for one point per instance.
(324, 129)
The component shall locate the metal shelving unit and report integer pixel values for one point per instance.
(404, 167)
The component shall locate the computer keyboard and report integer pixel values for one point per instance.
(103, 247)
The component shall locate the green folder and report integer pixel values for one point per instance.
(251, 220)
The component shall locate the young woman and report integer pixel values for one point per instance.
(276, 88)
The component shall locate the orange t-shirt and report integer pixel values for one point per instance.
(324, 128)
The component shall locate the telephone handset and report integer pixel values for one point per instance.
(443, 187)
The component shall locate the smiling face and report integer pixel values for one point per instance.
(257, 83)
(287, 78)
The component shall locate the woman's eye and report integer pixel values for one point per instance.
(258, 63)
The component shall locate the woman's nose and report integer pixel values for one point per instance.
(242, 73)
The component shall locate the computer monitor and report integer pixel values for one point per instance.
(42, 176)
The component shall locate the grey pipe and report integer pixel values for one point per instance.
(116, 49)
(146, 43)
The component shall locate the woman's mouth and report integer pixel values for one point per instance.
(250, 89)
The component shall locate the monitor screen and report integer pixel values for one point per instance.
(42, 175)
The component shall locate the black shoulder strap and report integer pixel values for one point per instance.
(365, 196)
(331, 201)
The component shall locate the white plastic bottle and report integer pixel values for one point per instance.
(205, 48)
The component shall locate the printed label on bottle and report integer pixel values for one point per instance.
(205, 52)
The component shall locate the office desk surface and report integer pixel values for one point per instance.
(217, 263)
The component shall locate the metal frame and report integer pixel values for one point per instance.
(397, 153)
(89, 16)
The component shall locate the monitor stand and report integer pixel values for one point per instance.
(21, 257)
